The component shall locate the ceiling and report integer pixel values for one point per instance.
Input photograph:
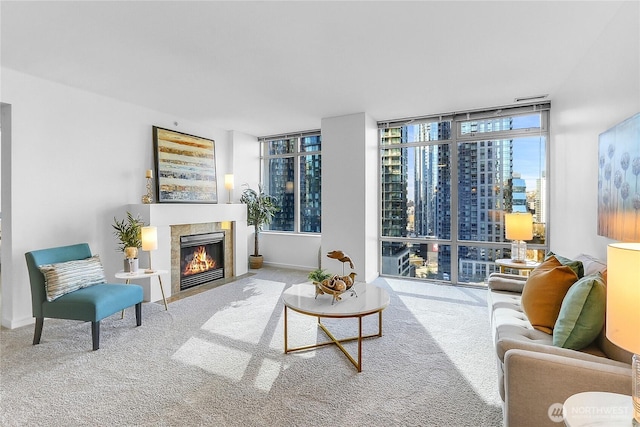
(265, 67)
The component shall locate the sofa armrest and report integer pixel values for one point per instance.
(534, 381)
(504, 345)
(506, 282)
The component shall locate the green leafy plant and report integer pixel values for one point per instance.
(318, 275)
(128, 231)
(261, 208)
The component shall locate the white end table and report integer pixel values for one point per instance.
(370, 299)
(598, 408)
(140, 274)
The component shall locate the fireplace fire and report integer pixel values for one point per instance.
(202, 259)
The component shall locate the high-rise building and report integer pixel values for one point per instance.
(485, 169)
(395, 255)
(283, 186)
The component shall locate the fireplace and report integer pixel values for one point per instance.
(201, 258)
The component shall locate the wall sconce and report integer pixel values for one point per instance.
(149, 243)
(228, 184)
(518, 228)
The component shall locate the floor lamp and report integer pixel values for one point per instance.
(149, 243)
(623, 309)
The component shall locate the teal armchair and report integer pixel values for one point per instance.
(90, 304)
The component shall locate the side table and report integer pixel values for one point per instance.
(140, 274)
(526, 266)
(597, 408)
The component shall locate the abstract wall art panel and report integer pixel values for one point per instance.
(185, 167)
(619, 181)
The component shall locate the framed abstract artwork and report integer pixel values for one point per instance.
(185, 167)
(619, 181)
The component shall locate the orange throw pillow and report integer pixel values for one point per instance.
(544, 291)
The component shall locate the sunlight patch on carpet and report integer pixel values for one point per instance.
(217, 359)
(444, 313)
(245, 319)
(302, 330)
(269, 372)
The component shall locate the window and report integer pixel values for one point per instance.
(446, 183)
(292, 169)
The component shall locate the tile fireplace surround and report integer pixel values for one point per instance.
(174, 220)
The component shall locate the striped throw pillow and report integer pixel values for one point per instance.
(65, 277)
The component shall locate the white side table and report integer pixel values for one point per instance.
(598, 408)
(140, 274)
(525, 267)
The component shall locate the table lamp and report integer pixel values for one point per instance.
(623, 309)
(149, 243)
(518, 228)
(228, 184)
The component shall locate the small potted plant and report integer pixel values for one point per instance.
(318, 275)
(261, 208)
(128, 231)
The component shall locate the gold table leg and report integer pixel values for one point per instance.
(162, 290)
(335, 341)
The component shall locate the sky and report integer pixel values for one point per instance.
(528, 153)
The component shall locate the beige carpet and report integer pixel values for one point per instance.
(216, 359)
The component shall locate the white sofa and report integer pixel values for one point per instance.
(533, 373)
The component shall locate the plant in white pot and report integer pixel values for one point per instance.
(129, 233)
(261, 208)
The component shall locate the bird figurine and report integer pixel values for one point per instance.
(341, 256)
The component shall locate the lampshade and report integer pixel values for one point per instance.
(228, 181)
(518, 226)
(623, 295)
(149, 238)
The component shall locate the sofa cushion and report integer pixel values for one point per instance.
(593, 265)
(582, 313)
(65, 277)
(575, 264)
(544, 291)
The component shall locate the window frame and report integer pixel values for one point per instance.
(297, 154)
(456, 137)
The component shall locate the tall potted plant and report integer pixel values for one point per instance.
(129, 233)
(261, 208)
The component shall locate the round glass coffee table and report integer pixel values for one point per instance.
(370, 300)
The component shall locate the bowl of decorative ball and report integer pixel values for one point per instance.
(335, 286)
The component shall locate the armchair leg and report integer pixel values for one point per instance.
(95, 334)
(139, 314)
(37, 333)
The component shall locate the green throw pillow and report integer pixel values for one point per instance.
(582, 313)
(576, 266)
(65, 277)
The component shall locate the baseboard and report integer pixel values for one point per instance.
(289, 266)
(13, 324)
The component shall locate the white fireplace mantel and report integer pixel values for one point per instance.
(164, 215)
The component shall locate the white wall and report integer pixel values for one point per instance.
(299, 251)
(77, 159)
(246, 170)
(601, 92)
(350, 177)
